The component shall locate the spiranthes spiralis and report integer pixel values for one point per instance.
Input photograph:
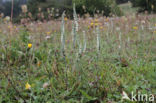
(98, 39)
(84, 40)
(75, 26)
(63, 36)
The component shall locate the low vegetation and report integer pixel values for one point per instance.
(145, 5)
(84, 60)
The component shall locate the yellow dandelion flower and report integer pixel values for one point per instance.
(91, 24)
(29, 45)
(96, 24)
(107, 19)
(154, 32)
(39, 64)
(15, 27)
(65, 19)
(101, 27)
(27, 86)
(96, 20)
(48, 33)
(135, 27)
(9, 27)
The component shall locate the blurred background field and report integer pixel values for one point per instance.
(128, 9)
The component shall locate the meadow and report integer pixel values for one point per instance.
(85, 60)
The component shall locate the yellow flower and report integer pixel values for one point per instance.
(27, 86)
(154, 32)
(65, 19)
(101, 27)
(107, 19)
(29, 45)
(15, 27)
(96, 24)
(39, 64)
(91, 24)
(96, 20)
(9, 27)
(155, 25)
(48, 33)
(135, 27)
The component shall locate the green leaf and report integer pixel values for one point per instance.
(86, 95)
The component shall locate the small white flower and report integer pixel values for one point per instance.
(7, 18)
(47, 37)
(143, 22)
(119, 47)
(117, 28)
(45, 85)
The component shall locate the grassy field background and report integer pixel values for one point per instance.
(128, 9)
(88, 60)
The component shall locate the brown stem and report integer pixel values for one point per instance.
(12, 10)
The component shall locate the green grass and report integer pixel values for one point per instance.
(127, 9)
(78, 77)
